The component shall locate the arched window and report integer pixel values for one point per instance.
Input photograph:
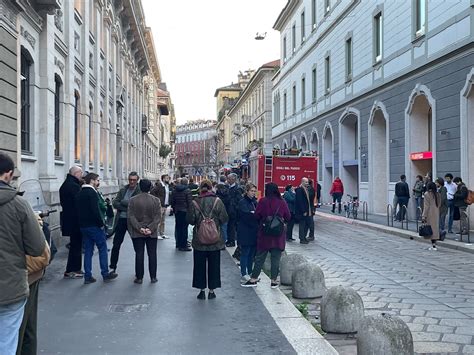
(57, 117)
(26, 64)
(91, 134)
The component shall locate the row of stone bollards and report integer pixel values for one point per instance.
(342, 310)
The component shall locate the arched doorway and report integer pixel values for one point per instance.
(303, 144)
(467, 134)
(314, 148)
(294, 143)
(349, 151)
(328, 161)
(378, 159)
(420, 122)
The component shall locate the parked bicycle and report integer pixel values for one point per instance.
(351, 207)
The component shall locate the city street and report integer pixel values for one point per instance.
(431, 291)
(163, 318)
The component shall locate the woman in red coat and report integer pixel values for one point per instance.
(272, 204)
(337, 191)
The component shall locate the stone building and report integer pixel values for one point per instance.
(73, 77)
(379, 89)
(251, 114)
(196, 148)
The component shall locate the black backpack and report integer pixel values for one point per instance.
(273, 225)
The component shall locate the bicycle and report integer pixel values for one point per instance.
(352, 206)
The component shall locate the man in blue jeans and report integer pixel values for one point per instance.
(92, 229)
(451, 188)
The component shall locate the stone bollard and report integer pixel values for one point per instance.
(384, 334)
(342, 310)
(288, 264)
(307, 281)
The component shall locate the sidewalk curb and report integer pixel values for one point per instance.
(449, 244)
(299, 332)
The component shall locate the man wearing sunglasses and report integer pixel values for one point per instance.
(120, 203)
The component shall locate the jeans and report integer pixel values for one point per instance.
(139, 246)
(91, 236)
(247, 254)
(11, 316)
(304, 226)
(27, 341)
(224, 232)
(210, 278)
(402, 201)
(336, 197)
(120, 231)
(418, 203)
(289, 227)
(181, 227)
(450, 214)
(275, 255)
(74, 259)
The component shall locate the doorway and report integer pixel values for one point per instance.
(328, 161)
(349, 153)
(378, 161)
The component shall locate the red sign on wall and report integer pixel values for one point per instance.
(421, 156)
(289, 170)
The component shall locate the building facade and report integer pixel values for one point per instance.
(196, 148)
(378, 89)
(74, 77)
(251, 115)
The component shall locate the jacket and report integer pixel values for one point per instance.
(290, 198)
(67, 194)
(431, 212)
(160, 191)
(144, 211)
(337, 187)
(87, 204)
(267, 206)
(181, 198)
(460, 195)
(402, 189)
(21, 235)
(235, 195)
(119, 203)
(222, 191)
(303, 204)
(443, 208)
(219, 215)
(247, 223)
(418, 189)
(37, 264)
(194, 188)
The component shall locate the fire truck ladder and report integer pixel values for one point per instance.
(268, 169)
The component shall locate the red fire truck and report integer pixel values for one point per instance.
(282, 170)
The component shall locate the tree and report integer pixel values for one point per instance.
(164, 151)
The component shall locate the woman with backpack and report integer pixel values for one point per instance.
(272, 213)
(207, 214)
(432, 203)
(247, 227)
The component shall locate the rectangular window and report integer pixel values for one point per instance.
(313, 84)
(293, 99)
(378, 38)
(57, 119)
(420, 17)
(285, 102)
(77, 151)
(349, 59)
(25, 103)
(327, 7)
(327, 67)
(284, 49)
(303, 93)
(313, 13)
(93, 18)
(91, 134)
(293, 38)
(303, 35)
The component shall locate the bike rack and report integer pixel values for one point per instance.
(405, 209)
(389, 213)
(365, 211)
(419, 216)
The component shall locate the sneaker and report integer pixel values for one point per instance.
(230, 244)
(201, 295)
(138, 281)
(434, 248)
(73, 275)
(110, 277)
(160, 237)
(244, 279)
(274, 285)
(310, 239)
(165, 237)
(90, 280)
(450, 231)
(304, 241)
(185, 249)
(154, 280)
(249, 284)
(211, 295)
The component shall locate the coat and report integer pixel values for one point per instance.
(443, 208)
(460, 196)
(303, 203)
(119, 203)
(337, 187)
(418, 189)
(235, 195)
(267, 206)
(144, 211)
(219, 215)
(87, 204)
(160, 191)
(247, 223)
(290, 198)
(181, 199)
(431, 213)
(67, 194)
(21, 235)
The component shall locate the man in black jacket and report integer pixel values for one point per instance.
(70, 224)
(460, 202)
(120, 203)
(402, 191)
(181, 201)
(304, 209)
(235, 195)
(92, 228)
(222, 191)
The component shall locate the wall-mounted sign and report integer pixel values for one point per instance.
(421, 156)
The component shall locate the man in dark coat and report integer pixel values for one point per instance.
(304, 209)
(312, 200)
(70, 223)
(181, 201)
(120, 203)
(235, 195)
(402, 191)
(460, 202)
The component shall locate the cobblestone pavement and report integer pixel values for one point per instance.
(431, 291)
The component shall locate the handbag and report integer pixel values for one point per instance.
(273, 225)
(425, 231)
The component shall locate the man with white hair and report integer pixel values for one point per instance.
(70, 222)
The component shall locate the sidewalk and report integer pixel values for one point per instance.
(379, 223)
(163, 318)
